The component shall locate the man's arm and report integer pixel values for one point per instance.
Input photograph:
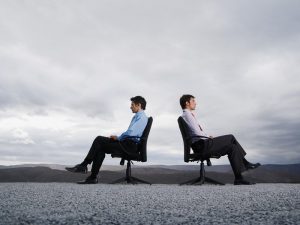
(135, 128)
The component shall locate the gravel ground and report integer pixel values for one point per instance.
(65, 203)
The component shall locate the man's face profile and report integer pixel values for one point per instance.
(191, 104)
(135, 107)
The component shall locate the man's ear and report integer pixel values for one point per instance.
(138, 105)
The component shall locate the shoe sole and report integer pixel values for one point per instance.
(243, 184)
(86, 183)
(70, 170)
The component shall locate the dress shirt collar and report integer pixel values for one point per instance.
(187, 110)
(139, 112)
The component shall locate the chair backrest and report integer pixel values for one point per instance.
(185, 137)
(142, 147)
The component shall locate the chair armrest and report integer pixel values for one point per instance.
(198, 136)
(190, 137)
(208, 162)
(132, 138)
(122, 161)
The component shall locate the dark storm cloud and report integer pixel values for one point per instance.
(68, 70)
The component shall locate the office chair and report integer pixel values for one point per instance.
(191, 157)
(141, 156)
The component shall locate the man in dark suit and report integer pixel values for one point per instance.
(222, 145)
(126, 142)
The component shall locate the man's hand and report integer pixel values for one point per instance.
(113, 137)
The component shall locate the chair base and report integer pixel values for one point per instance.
(128, 178)
(202, 180)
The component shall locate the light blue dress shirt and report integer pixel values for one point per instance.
(136, 127)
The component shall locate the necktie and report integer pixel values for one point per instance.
(197, 122)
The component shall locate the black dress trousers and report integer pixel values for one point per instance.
(220, 146)
(104, 145)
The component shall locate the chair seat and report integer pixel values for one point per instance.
(135, 157)
(200, 156)
(118, 155)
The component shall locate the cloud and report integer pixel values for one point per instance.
(21, 137)
(68, 70)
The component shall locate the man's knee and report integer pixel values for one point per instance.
(99, 140)
(231, 136)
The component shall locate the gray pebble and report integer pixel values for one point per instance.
(65, 203)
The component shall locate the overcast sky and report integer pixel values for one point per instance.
(69, 68)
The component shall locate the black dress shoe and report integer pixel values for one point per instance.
(252, 165)
(242, 182)
(77, 169)
(88, 180)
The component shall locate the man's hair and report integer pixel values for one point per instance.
(184, 99)
(139, 100)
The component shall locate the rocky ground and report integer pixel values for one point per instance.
(67, 203)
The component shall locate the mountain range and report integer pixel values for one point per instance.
(157, 174)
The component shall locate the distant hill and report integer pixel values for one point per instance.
(161, 174)
(60, 167)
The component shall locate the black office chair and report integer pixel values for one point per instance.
(141, 156)
(191, 157)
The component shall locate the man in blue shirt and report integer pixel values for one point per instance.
(126, 142)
